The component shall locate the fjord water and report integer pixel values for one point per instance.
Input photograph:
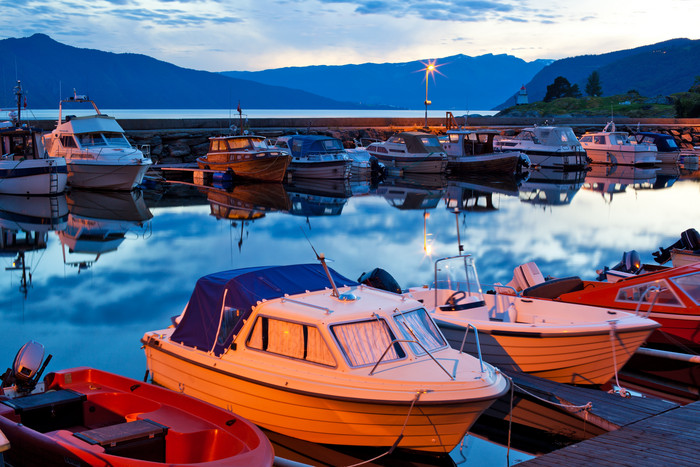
(91, 309)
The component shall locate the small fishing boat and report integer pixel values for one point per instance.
(547, 146)
(411, 151)
(316, 156)
(246, 156)
(25, 166)
(472, 151)
(96, 150)
(667, 151)
(615, 147)
(563, 342)
(302, 351)
(84, 416)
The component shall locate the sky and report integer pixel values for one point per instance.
(250, 35)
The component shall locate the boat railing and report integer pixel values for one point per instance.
(298, 302)
(653, 288)
(478, 346)
(411, 341)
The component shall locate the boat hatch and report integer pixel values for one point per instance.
(656, 292)
(690, 285)
(363, 342)
(417, 325)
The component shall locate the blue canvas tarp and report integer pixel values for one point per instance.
(243, 288)
(301, 145)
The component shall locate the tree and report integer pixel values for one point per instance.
(561, 88)
(696, 85)
(593, 87)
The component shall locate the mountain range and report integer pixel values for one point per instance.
(50, 71)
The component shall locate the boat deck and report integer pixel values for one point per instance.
(670, 438)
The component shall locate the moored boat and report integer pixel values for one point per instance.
(615, 147)
(563, 342)
(667, 151)
(411, 151)
(303, 351)
(472, 151)
(247, 156)
(96, 150)
(547, 146)
(84, 416)
(316, 156)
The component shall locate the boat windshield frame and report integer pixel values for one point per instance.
(664, 295)
(691, 290)
(373, 331)
(418, 325)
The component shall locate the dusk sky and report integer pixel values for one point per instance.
(220, 35)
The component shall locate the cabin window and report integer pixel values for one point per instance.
(229, 319)
(453, 138)
(690, 285)
(663, 296)
(431, 144)
(364, 342)
(68, 142)
(417, 325)
(87, 140)
(116, 140)
(585, 139)
(239, 143)
(600, 139)
(296, 147)
(295, 340)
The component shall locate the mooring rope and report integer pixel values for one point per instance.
(622, 391)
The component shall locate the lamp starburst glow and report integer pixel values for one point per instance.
(430, 68)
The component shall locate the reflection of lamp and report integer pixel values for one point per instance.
(427, 248)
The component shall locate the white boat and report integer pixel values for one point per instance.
(411, 151)
(316, 156)
(547, 146)
(318, 357)
(25, 167)
(563, 342)
(473, 151)
(615, 147)
(96, 151)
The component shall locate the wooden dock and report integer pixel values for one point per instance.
(670, 438)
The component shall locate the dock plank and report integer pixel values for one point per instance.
(669, 438)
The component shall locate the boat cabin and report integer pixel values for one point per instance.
(20, 143)
(663, 143)
(306, 145)
(237, 143)
(468, 142)
(86, 134)
(607, 139)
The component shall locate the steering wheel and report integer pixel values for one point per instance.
(455, 298)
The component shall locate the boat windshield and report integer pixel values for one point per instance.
(259, 143)
(116, 140)
(364, 342)
(658, 292)
(431, 143)
(690, 285)
(90, 140)
(417, 325)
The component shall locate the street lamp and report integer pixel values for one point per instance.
(429, 68)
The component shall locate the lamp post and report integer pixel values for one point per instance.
(428, 69)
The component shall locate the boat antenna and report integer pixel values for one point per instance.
(322, 258)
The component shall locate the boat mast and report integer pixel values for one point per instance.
(18, 93)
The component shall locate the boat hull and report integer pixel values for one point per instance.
(565, 160)
(320, 418)
(91, 401)
(267, 168)
(337, 169)
(485, 163)
(417, 164)
(621, 156)
(104, 176)
(33, 176)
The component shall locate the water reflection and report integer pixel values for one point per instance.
(609, 180)
(413, 191)
(549, 186)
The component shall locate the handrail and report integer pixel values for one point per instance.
(298, 302)
(653, 288)
(396, 341)
(478, 345)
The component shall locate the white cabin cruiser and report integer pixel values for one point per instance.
(615, 147)
(305, 352)
(96, 151)
(547, 146)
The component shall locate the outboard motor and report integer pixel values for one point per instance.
(630, 263)
(690, 240)
(380, 279)
(26, 368)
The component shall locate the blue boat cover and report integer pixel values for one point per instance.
(245, 287)
(301, 145)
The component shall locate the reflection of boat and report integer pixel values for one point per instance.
(413, 191)
(411, 151)
(316, 156)
(98, 222)
(246, 156)
(666, 176)
(329, 361)
(246, 201)
(25, 167)
(316, 197)
(472, 151)
(553, 187)
(667, 151)
(96, 150)
(84, 416)
(669, 296)
(614, 147)
(466, 192)
(547, 146)
(25, 223)
(564, 342)
(609, 180)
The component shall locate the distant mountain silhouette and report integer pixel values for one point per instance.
(50, 71)
(658, 69)
(460, 82)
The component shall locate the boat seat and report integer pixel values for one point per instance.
(525, 276)
(554, 287)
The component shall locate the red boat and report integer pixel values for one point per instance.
(84, 416)
(670, 296)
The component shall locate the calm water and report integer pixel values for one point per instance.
(114, 266)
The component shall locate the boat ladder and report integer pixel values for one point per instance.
(53, 186)
(54, 204)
